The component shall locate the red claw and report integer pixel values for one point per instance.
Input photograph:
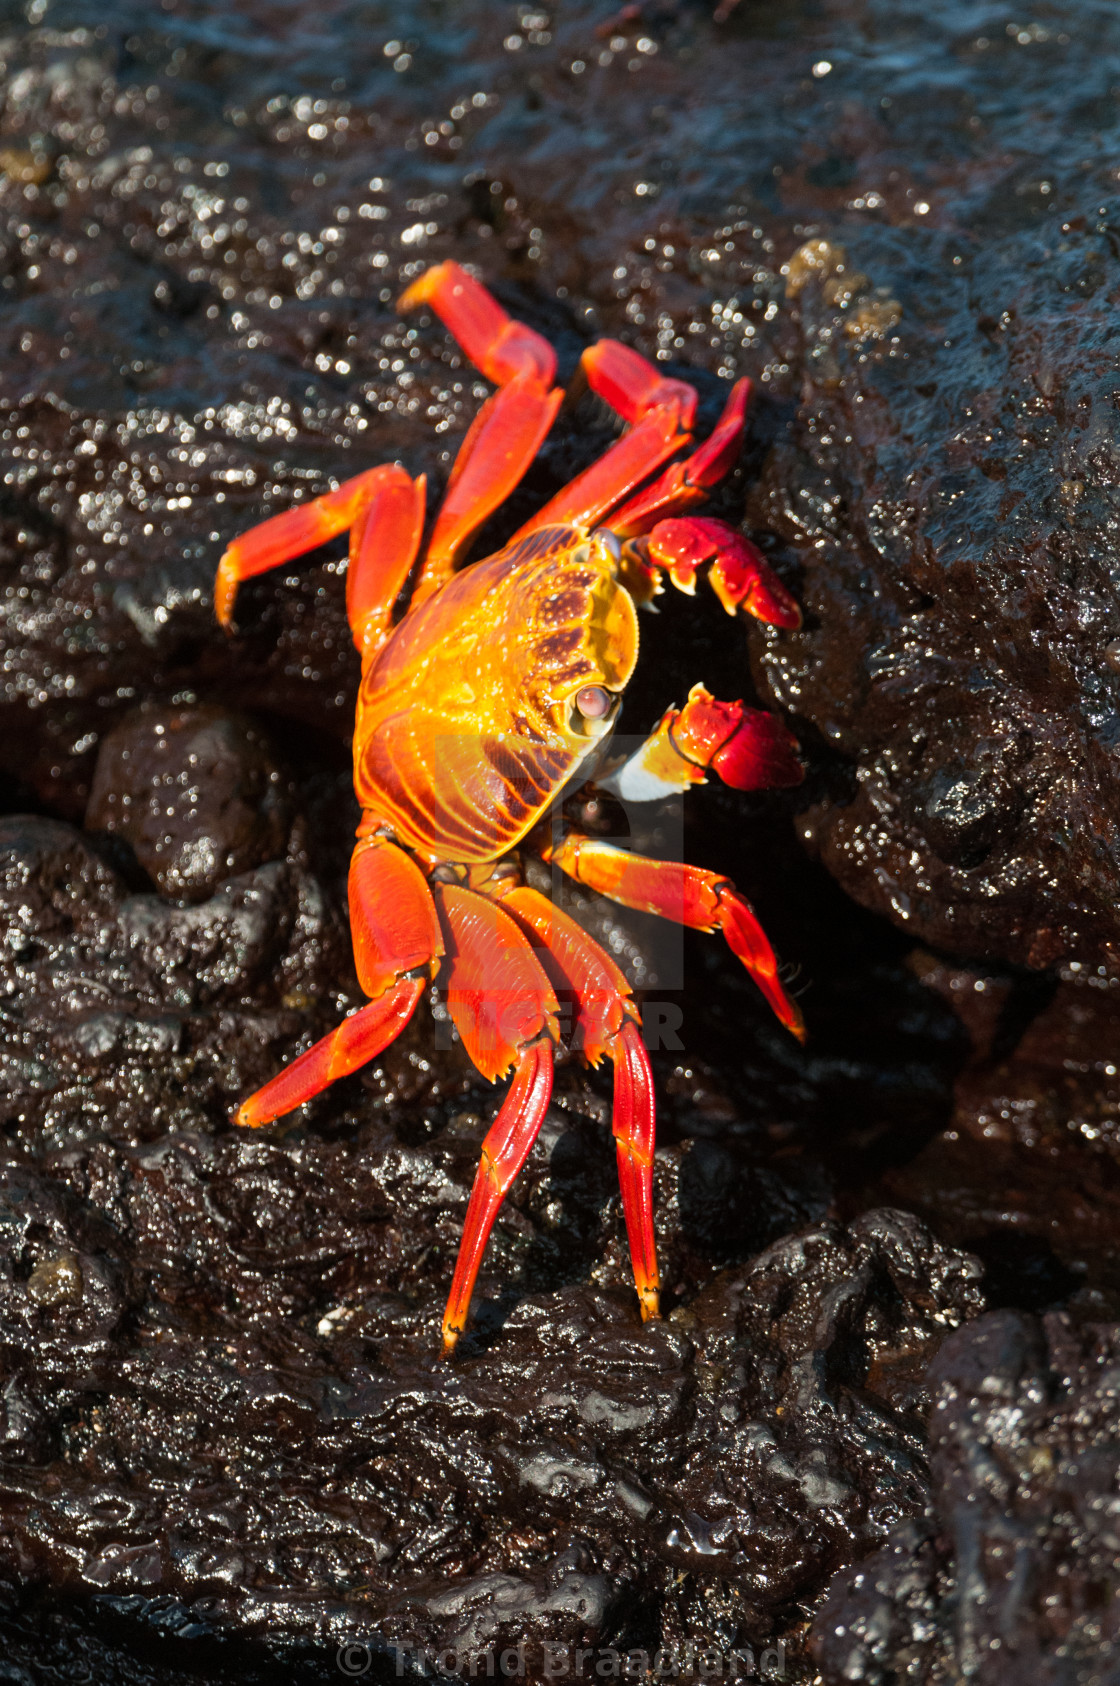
(749, 748)
(741, 576)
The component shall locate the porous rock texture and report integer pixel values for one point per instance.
(227, 1447)
(1010, 1578)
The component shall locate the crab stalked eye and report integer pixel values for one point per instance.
(593, 701)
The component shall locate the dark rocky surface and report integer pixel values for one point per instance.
(1011, 1578)
(226, 1447)
(196, 792)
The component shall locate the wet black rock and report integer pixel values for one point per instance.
(222, 1420)
(111, 996)
(273, 1443)
(951, 505)
(197, 792)
(1009, 1577)
(223, 1403)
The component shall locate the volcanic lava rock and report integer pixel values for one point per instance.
(221, 1414)
(951, 506)
(280, 1343)
(1009, 1578)
(222, 1393)
(197, 792)
(111, 996)
(1028, 1171)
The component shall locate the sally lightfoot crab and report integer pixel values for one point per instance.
(482, 701)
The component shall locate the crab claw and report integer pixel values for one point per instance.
(741, 576)
(749, 748)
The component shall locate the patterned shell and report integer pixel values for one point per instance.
(466, 726)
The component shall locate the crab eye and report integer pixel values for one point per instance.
(593, 701)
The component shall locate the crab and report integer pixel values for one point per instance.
(493, 695)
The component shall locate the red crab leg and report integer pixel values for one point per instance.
(384, 495)
(505, 1010)
(510, 428)
(703, 900)
(631, 384)
(504, 1150)
(384, 541)
(606, 1025)
(397, 945)
(498, 345)
(686, 483)
(749, 748)
(355, 1042)
(740, 575)
(500, 444)
(584, 500)
(661, 410)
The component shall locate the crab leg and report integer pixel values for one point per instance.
(355, 1042)
(606, 1026)
(584, 500)
(382, 503)
(397, 947)
(631, 384)
(749, 748)
(706, 901)
(500, 347)
(686, 483)
(384, 541)
(510, 428)
(505, 1010)
(661, 411)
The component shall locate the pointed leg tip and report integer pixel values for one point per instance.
(247, 1116)
(450, 1341)
(225, 590)
(410, 298)
(422, 289)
